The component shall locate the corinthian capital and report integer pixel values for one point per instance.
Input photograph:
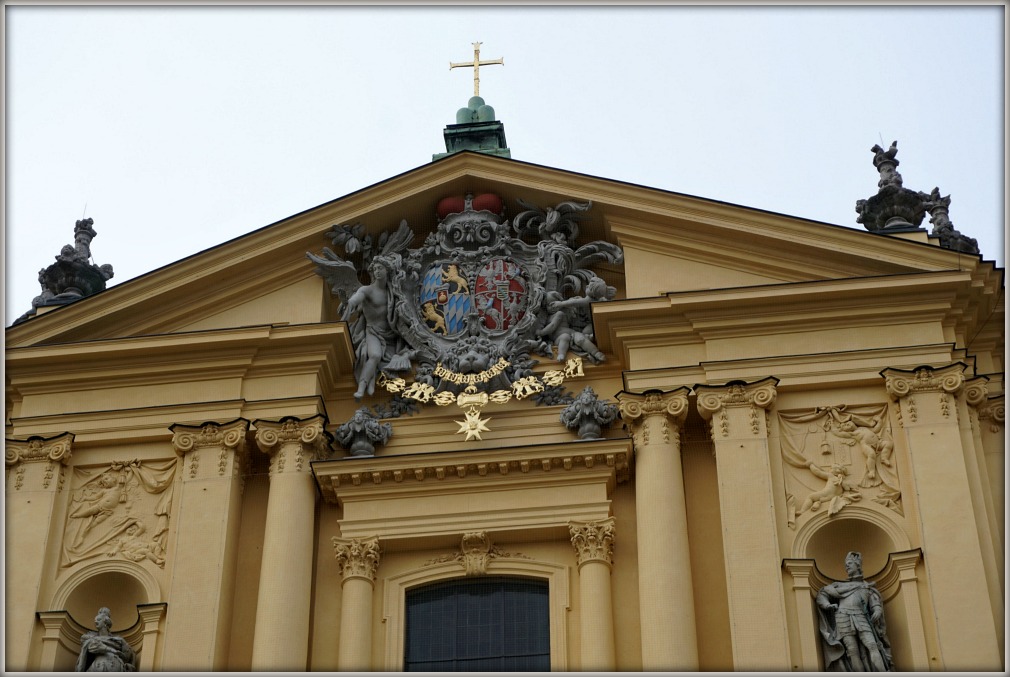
(357, 558)
(305, 438)
(901, 383)
(593, 541)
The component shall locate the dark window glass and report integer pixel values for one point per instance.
(478, 625)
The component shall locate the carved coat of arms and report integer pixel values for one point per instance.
(471, 305)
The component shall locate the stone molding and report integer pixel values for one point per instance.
(903, 385)
(227, 438)
(54, 451)
(593, 541)
(306, 437)
(357, 558)
(713, 401)
(665, 407)
(475, 554)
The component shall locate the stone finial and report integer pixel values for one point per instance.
(588, 415)
(362, 432)
(894, 207)
(72, 276)
(950, 238)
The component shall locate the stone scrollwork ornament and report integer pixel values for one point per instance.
(468, 308)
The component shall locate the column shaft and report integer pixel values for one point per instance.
(666, 592)
(593, 542)
(281, 638)
(358, 560)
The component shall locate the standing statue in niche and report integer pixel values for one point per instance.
(101, 651)
(851, 619)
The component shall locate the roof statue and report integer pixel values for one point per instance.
(466, 310)
(896, 209)
(72, 276)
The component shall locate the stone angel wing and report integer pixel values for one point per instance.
(341, 275)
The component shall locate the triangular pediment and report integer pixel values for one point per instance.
(672, 242)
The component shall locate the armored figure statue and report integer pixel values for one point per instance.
(101, 651)
(851, 620)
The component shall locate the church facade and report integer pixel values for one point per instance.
(494, 415)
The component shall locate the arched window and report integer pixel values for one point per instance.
(478, 624)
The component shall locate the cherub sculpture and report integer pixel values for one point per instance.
(571, 324)
(362, 432)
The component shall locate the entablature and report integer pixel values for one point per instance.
(427, 495)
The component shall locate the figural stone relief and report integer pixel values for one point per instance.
(468, 309)
(120, 511)
(834, 456)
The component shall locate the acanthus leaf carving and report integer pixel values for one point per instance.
(357, 558)
(593, 541)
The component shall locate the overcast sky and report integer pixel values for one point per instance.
(178, 128)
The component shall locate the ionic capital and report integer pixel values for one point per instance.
(36, 449)
(714, 401)
(976, 390)
(306, 439)
(901, 383)
(994, 412)
(357, 558)
(54, 451)
(593, 541)
(635, 408)
(186, 438)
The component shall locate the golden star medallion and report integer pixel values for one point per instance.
(473, 426)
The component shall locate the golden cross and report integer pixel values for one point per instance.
(477, 63)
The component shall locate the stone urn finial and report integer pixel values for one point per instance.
(362, 432)
(588, 415)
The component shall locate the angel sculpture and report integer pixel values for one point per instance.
(367, 308)
(571, 323)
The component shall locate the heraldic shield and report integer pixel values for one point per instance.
(500, 294)
(444, 299)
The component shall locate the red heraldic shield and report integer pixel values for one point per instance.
(500, 292)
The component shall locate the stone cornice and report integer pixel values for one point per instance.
(593, 541)
(357, 558)
(902, 382)
(380, 473)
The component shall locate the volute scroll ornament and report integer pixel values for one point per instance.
(468, 309)
(306, 439)
(714, 400)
